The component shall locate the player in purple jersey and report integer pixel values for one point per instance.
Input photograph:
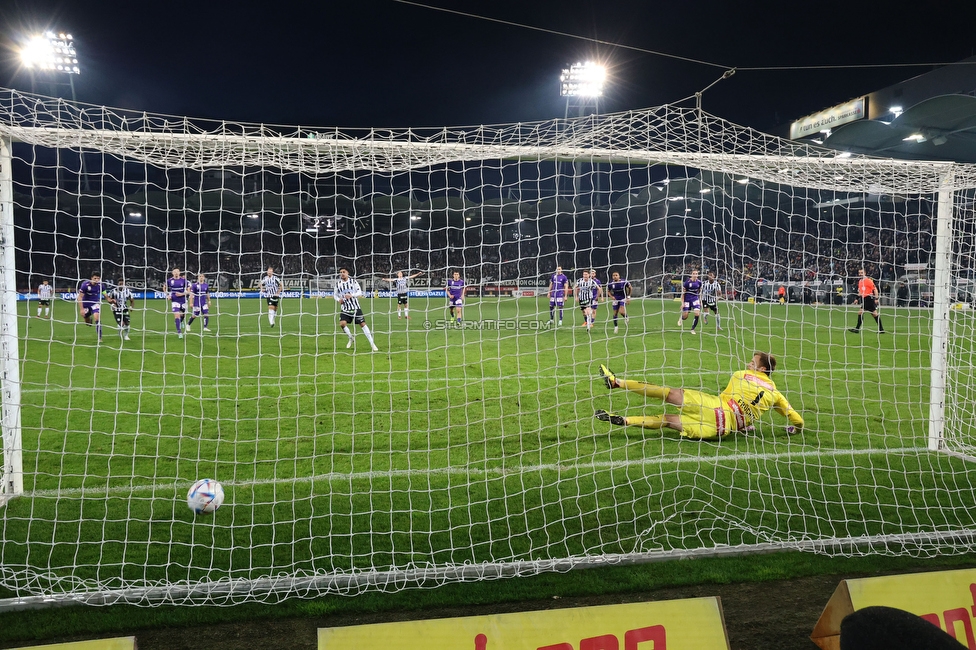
(620, 291)
(200, 299)
(90, 302)
(690, 301)
(178, 287)
(558, 287)
(455, 296)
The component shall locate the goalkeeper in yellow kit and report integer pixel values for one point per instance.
(750, 393)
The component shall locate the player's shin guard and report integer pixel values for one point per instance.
(369, 335)
(650, 390)
(647, 422)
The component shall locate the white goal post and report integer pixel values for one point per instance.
(464, 454)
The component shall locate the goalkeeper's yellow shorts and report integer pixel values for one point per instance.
(705, 417)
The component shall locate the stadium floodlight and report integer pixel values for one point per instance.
(583, 80)
(50, 52)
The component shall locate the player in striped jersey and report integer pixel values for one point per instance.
(711, 291)
(400, 284)
(347, 293)
(597, 294)
(122, 302)
(584, 296)
(271, 290)
(45, 292)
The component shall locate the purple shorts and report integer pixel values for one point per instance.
(179, 307)
(691, 305)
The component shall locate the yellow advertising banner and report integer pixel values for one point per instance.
(693, 624)
(121, 643)
(944, 598)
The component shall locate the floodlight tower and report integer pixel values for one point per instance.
(582, 84)
(53, 54)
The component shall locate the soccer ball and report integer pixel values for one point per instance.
(205, 496)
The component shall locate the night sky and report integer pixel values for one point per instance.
(383, 63)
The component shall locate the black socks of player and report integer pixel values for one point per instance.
(694, 324)
(860, 321)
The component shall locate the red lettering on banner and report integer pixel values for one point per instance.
(933, 619)
(655, 634)
(972, 590)
(481, 642)
(961, 615)
(605, 642)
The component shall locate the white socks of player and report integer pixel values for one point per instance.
(345, 329)
(271, 316)
(369, 337)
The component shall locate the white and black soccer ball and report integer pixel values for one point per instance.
(205, 496)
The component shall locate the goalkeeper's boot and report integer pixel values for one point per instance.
(608, 377)
(603, 416)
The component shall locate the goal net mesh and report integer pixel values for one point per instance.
(467, 447)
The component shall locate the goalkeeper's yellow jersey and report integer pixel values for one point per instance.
(751, 393)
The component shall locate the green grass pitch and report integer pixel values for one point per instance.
(452, 446)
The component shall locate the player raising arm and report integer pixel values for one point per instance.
(400, 288)
(750, 393)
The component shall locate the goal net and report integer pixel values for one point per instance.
(467, 446)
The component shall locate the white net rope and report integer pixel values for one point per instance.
(471, 451)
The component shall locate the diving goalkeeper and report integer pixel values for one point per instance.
(750, 393)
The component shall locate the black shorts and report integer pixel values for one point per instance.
(869, 304)
(273, 302)
(357, 318)
(44, 303)
(401, 298)
(584, 306)
(121, 317)
(712, 305)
